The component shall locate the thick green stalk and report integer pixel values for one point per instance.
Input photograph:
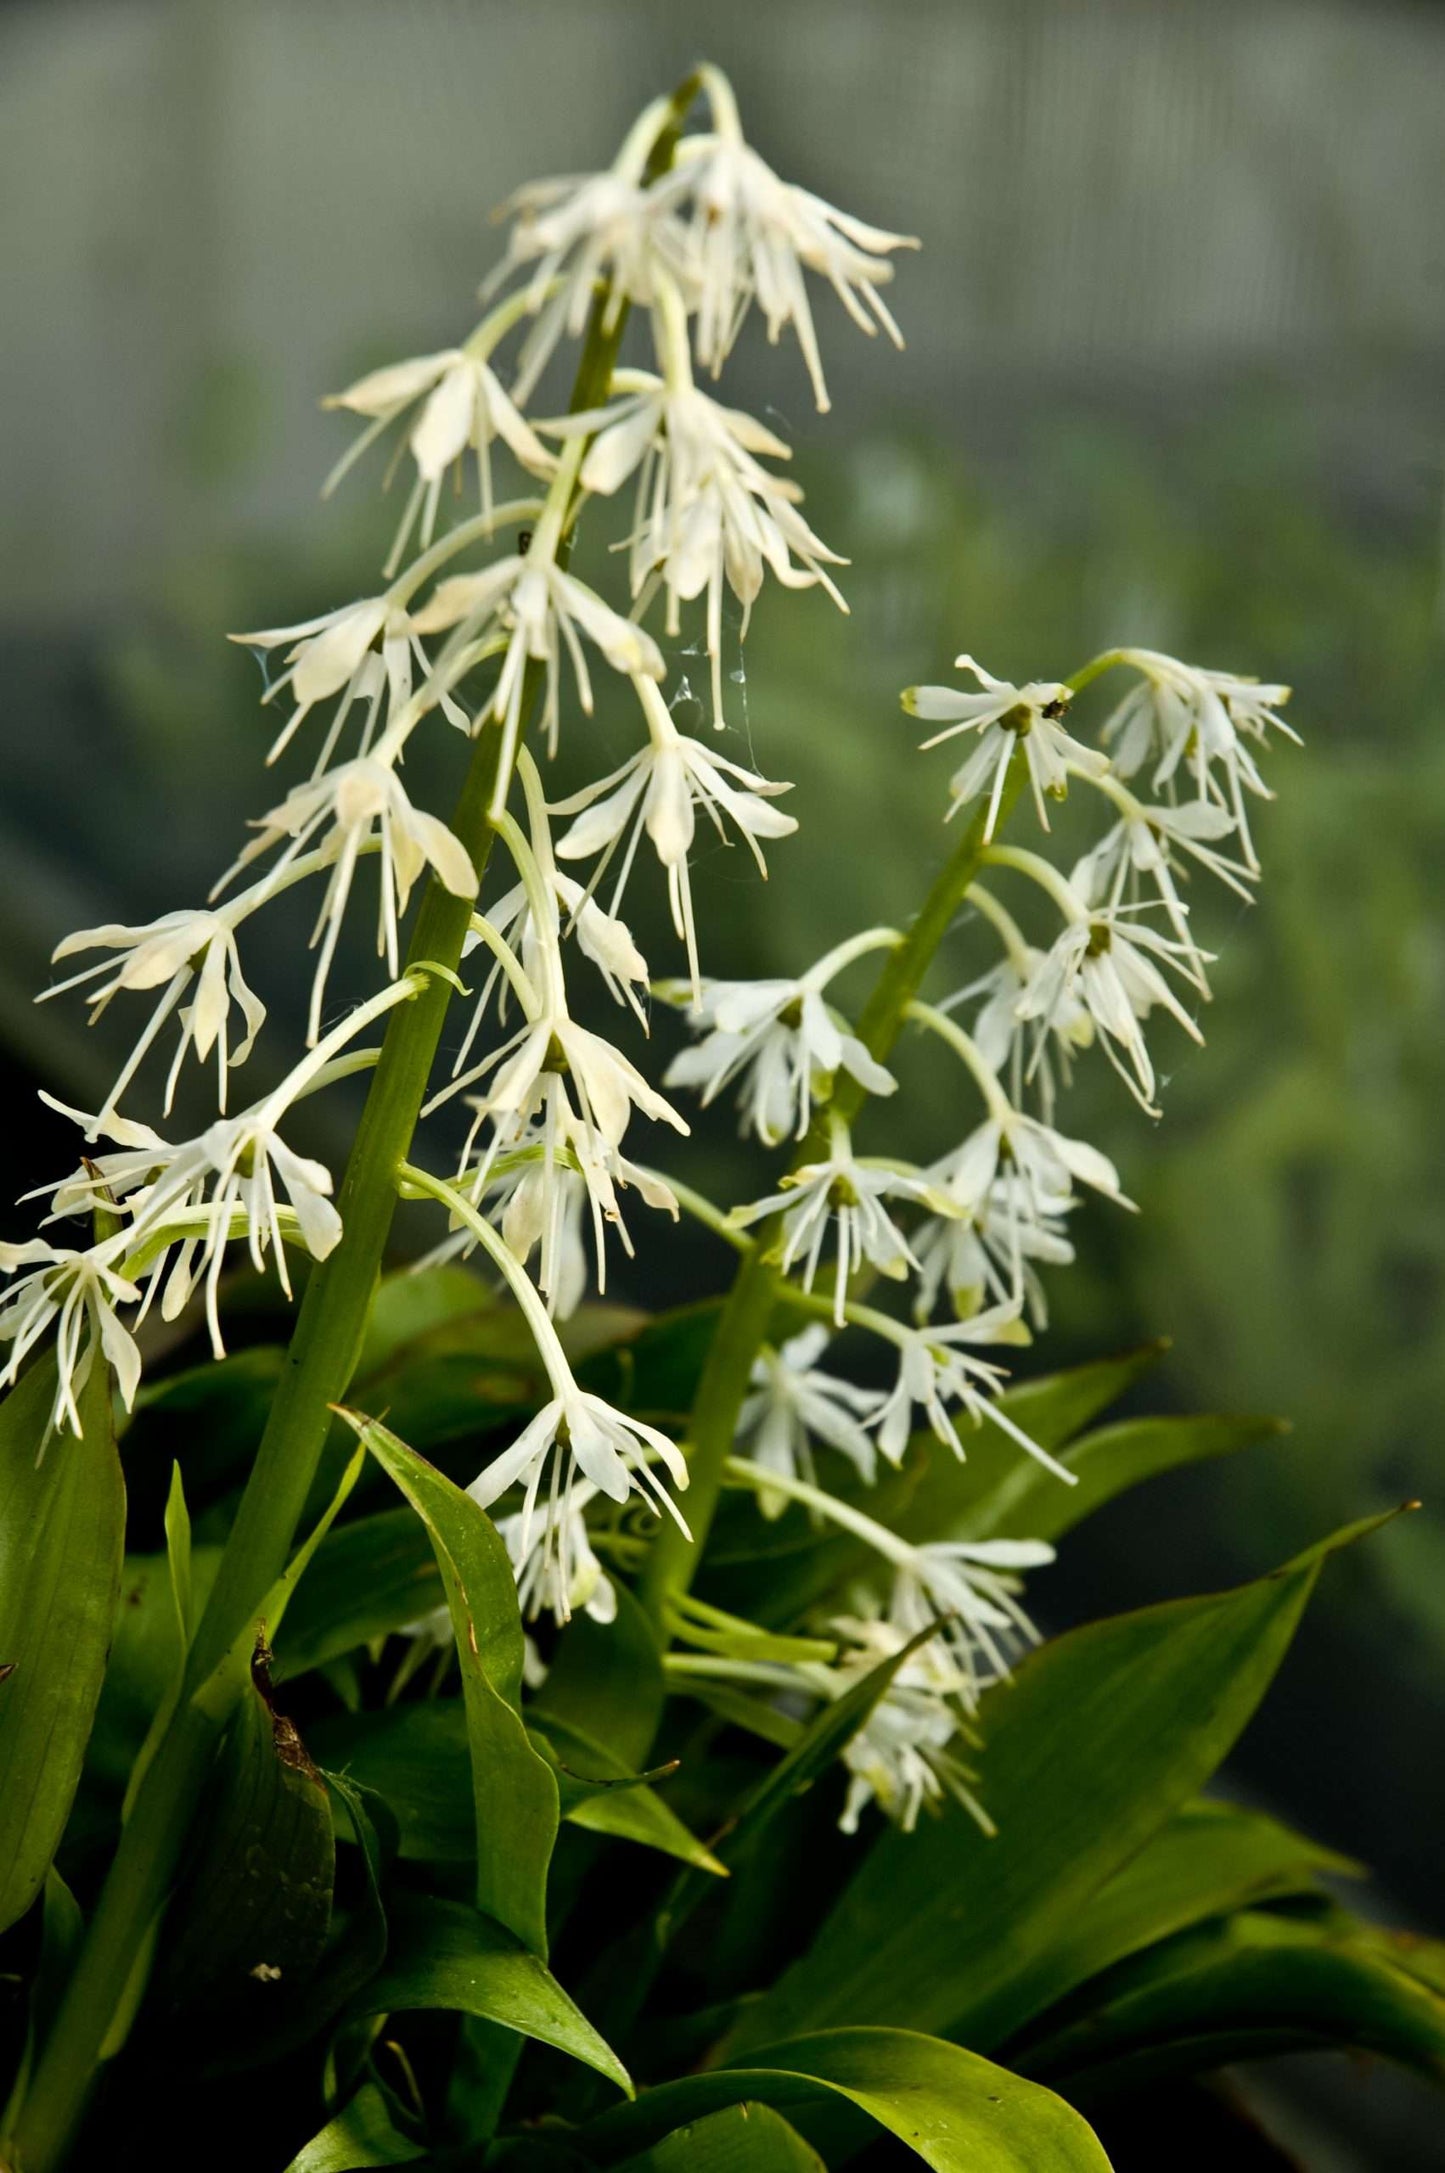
(319, 1366)
(743, 1324)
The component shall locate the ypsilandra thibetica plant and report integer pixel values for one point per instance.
(683, 1669)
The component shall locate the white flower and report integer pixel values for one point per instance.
(333, 655)
(541, 1167)
(843, 1196)
(529, 607)
(346, 809)
(608, 1086)
(1107, 963)
(78, 1293)
(1182, 717)
(613, 1452)
(901, 1756)
(199, 1194)
(1005, 717)
(750, 236)
(176, 950)
(1143, 844)
(706, 513)
(1000, 1029)
(935, 1370)
(784, 1040)
(601, 937)
(579, 232)
(1025, 1170)
(659, 790)
(556, 1570)
(464, 408)
(986, 1251)
(970, 1590)
(792, 1400)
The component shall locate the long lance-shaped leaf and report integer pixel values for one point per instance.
(62, 1537)
(362, 2134)
(443, 1954)
(514, 1789)
(1099, 1738)
(1252, 1985)
(743, 2139)
(1209, 1859)
(1029, 1503)
(959, 2113)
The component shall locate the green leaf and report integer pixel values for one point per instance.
(1209, 1859)
(443, 1954)
(601, 1795)
(413, 1305)
(1100, 1736)
(361, 2135)
(367, 1579)
(1255, 1984)
(606, 1680)
(514, 1790)
(743, 2139)
(1029, 1502)
(959, 2113)
(62, 1535)
(415, 1757)
(250, 1922)
(141, 1669)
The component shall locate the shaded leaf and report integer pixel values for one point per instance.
(514, 1790)
(367, 1579)
(959, 2113)
(606, 1680)
(1030, 1503)
(1208, 1859)
(363, 2134)
(251, 1918)
(443, 1954)
(1100, 1736)
(1255, 1984)
(62, 1535)
(743, 2139)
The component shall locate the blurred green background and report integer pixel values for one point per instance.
(1173, 377)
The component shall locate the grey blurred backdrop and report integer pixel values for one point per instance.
(1173, 376)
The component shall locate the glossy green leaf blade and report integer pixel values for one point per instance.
(62, 1537)
(442, 1954)
(1253, 1984)
(1101, 1735)
(742, 2139)
(367, 1580)
(1209, 1859)
(416, 1757)
(514, 1790)
(1029, 1502)
(959, 2113)
(362, 2134)
(606, 1798)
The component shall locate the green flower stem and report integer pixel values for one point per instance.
(319, 1365)
(743, 1325)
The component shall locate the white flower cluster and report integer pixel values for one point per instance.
(484, 618)
(488, 624)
